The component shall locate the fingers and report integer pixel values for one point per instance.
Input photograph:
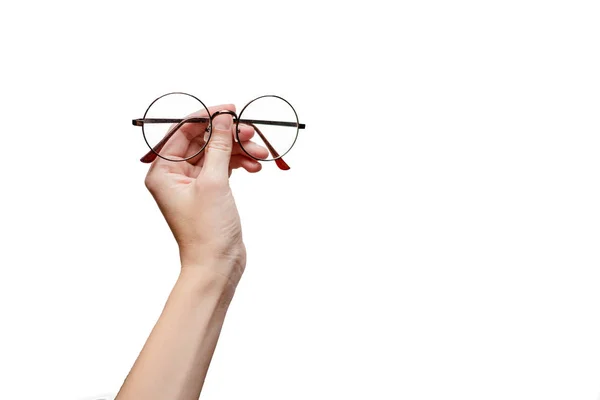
(221, 154)
(178, 142)
(185, 139)
(246, 133)
(218, 149)
(252, 148)
(191, 139)
(234, 162)
(255, 150)
(240, 161)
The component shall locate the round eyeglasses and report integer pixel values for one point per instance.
(177, 126)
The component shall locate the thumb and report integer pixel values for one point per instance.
(218, 150)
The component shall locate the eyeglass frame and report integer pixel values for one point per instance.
(154, 151)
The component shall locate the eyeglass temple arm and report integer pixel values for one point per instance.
(143, 121)
(279, 161)
(275, 123)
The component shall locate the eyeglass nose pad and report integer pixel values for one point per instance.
(207, 133)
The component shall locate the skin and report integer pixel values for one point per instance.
(196, 201)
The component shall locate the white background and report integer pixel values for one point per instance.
(436, 237)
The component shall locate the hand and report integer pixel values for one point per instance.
(195, 198)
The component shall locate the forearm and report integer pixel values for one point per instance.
(175, 359)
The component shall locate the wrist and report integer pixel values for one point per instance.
(219, 274)
(201, 287)
(203, 262)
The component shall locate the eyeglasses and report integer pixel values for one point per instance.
(177, 127)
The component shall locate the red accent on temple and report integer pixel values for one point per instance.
(282, 164)
(149, 157)
(279, 161)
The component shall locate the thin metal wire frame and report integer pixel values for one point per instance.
(154, 151)
(142, 121)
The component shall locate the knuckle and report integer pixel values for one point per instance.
(149, 182)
